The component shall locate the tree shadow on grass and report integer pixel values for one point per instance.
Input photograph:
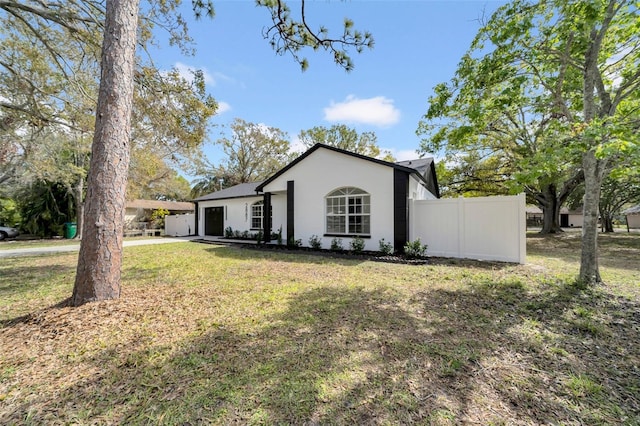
(491, 352)
(285, 255)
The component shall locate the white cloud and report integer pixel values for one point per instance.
(186, 72)
(378, 111)
(402, 154)
(296, 146)
(223, 107)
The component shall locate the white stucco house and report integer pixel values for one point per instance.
(327, 192)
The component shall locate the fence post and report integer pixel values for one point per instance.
(522, 228)
(462, 237)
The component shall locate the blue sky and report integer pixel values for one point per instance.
(418, 44)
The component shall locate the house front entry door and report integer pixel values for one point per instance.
(214, 221)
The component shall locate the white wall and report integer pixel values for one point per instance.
(418, 191)
(485, 228)
(237, 213)
(322, 172)
(180, 225)
(633, 220)
(576, 220)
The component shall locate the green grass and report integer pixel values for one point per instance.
(215, 335)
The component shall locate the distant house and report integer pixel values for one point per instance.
(633, 217)
(326, 192)
(568, 218)
(139, 211)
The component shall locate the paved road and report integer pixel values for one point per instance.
(59, 249)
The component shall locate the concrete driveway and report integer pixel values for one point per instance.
(33, 251)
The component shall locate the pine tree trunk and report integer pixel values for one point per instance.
(593, 175)
(100, 259)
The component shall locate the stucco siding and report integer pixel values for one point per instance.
(319, 174)
(237, 214)
(417, 190)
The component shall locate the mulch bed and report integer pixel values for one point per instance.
(373, 256)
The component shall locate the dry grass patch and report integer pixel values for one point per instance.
(207, 334)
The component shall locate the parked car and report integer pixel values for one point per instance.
(7, 232)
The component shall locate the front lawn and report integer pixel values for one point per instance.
(210, 334)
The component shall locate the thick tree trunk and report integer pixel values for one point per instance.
(593, 175)
(607, 223)
(548, 203)
(100, 259)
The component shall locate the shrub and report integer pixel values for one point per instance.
(385, 247)
(279, 236)
(291, 242)
(415, 249)
(245, 235)
(228, 232)
(357, 244)
(157, 217)
(259, 237)
(315, 242)
(336, 244)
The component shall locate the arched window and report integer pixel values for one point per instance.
(348, 212)
(256, 215)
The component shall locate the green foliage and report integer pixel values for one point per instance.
(315, 242)
(336, 244)
(44, 208)
(9, 212)
(415, 249)
(253, 153)
(159, 214)
(228, 232)
(290, 36)
(260, 237)
(293, 243)
(357, 244)
(385, 247)
(343, 137)
(551, 90)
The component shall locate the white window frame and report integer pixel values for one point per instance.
(348, 212)
(258, 205)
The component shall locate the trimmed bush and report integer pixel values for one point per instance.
(357, 245)
(336, 244)
(415, 249)
(385, 247)
(315, 242)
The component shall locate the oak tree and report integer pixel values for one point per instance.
(578, 63)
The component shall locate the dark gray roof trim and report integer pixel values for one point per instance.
(632, 210)
(431, 184)
(237, 191)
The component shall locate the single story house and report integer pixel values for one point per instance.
(633, 217)
(328, 193)
(139, 211)
(568, 218)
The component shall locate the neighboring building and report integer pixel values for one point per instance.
(327, 192)
(139, 211)
(568, 218)
(633, 217)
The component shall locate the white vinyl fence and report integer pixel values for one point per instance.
(484, 228)
(180, 225)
